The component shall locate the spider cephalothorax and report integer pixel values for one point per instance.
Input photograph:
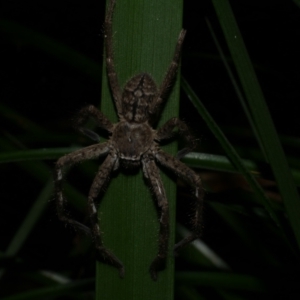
(133, 143)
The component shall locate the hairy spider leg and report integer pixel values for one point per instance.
(91, 152)
(170, 76)
(166, 131)
(110, 65)
(193, 180)
(101, 120)
(102, 176)
(151, 173)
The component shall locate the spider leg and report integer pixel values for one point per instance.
(91, 152)
(151, 172)
(103, 254)
(192, 179)
(165, 132)
(170, 75)
(101, 120)
(110, 65)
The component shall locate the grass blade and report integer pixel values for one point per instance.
(260, 114)
(128, 216)
(29, 222)
(230, 151)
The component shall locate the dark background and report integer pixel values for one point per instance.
(42, 86)
(48, 91)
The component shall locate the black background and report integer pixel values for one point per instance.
(48, 91)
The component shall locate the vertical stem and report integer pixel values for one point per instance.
(145, 34)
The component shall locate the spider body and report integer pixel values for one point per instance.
(133, 143)
(132, 140)
(138, 98)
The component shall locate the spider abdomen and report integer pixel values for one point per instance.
(131, 140)
(138, 96)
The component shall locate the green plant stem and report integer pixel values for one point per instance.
(145, 34)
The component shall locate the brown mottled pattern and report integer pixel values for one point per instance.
(138, 95)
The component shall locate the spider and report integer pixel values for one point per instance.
(132, 143)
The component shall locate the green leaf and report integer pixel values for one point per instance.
(35, 154)
(262, 119)
(297, 2)
(29, 222)
(54, 291)
(217, 280)
(229, 149)
(145, 35)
